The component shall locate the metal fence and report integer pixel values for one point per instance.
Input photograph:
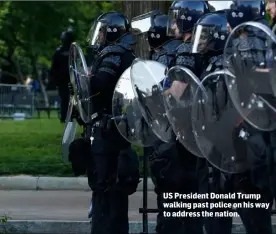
(16, 99)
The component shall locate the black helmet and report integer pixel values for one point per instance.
(243, 11)
(67, 37)
(210, 33)
(157, 33)
(184, 14)
(108, 29)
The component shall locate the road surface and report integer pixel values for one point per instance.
(63, 205)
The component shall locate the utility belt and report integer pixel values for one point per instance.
(103, 125)
(102, 120)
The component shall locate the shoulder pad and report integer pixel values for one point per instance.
(184, 48)
(157, 55)
(258, 43)
(161, 58)
(128, 39)
(217, 60)
(59, 50)
(171, 46)
(112, 49)
(125, 46)
(246, 44)
(263, 21)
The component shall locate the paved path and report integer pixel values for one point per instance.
(63, 205)
(59, 205)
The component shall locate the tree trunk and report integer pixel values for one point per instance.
(20, 75)
(39, 78)
(135, 8)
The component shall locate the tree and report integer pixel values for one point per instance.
(30, 31)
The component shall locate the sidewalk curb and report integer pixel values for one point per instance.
(24, 182)
(78, 227)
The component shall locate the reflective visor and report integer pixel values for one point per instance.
(201, 38)
(97, 33)
(173, 29)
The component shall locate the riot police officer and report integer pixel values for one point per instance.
(170, 162)
(164, 164)
(114, 175)
(243, 11)
(60, 71)
(183, 15)
(209, 39)
(212, 61)
(255, 11)
(162, 46)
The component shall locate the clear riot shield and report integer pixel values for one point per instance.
(147, 78)
(80, 81)
(249, 58)
(141, 24)
(127, 115)
(218, 127)
(69, 132)
(179, 88)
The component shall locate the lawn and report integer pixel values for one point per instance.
(32, 147)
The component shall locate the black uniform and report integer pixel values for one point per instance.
(172, 166)
(163, 158)
(113, 172)
(188, 160)
(264, 168)
(181, 167)
(60, 72)
(214, 180)
(255, 181)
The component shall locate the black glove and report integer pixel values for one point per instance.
(71, 90)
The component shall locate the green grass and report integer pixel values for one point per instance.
(33, 147)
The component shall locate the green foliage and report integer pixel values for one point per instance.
(4, 219)
(31, 30)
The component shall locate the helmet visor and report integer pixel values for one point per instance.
(173, 25)
(97, 34)
(203, 39)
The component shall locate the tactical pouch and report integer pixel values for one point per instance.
(128, 171)
(79, 151)
(166, 167)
